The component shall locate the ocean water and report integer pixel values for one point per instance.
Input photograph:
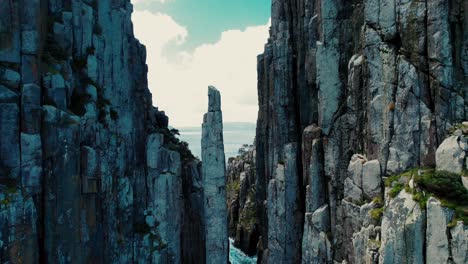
(236, 256)
(234, 134)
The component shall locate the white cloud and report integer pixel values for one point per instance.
(179, 82)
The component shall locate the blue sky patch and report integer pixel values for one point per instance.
(205, 20)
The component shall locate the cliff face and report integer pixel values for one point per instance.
(351, 92)
(89, 171)
(242, 223)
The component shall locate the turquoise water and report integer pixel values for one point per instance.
(236, 256)
(235, 135)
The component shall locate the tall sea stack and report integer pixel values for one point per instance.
(214, 181)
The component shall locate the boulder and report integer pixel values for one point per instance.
(450, 156)
(464, 179)
(371, 179)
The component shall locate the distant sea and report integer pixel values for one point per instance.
(235, 135)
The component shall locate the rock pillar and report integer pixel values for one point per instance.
(214, 181)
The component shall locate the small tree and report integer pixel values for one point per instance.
(175, 131)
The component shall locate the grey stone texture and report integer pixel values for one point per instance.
(366, 89)
(89, 171)
(214, 181)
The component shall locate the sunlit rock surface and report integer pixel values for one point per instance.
(366, 89)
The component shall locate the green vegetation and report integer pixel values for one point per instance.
(182, 148)
(10, 189)
(173, 143)
(377, 213)
(175, 131)
(5, 201)
(399, 182)
(447, 187)
(248, 217)
(443, 185)
(396, 189)
(378, 201)
(408, 174)
(459, 126)
(461, 211)
(359, 202)
(372, 243)
(233, 187)
(421, 198)
(464, 173)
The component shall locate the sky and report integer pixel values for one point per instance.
(192, 44)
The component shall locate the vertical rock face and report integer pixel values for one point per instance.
(241, 203)
(193, 229)
(283, 212)
(89, 171)
(214, 181)
(403, 231)
(365, 89)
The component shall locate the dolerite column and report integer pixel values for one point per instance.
(214, 181)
